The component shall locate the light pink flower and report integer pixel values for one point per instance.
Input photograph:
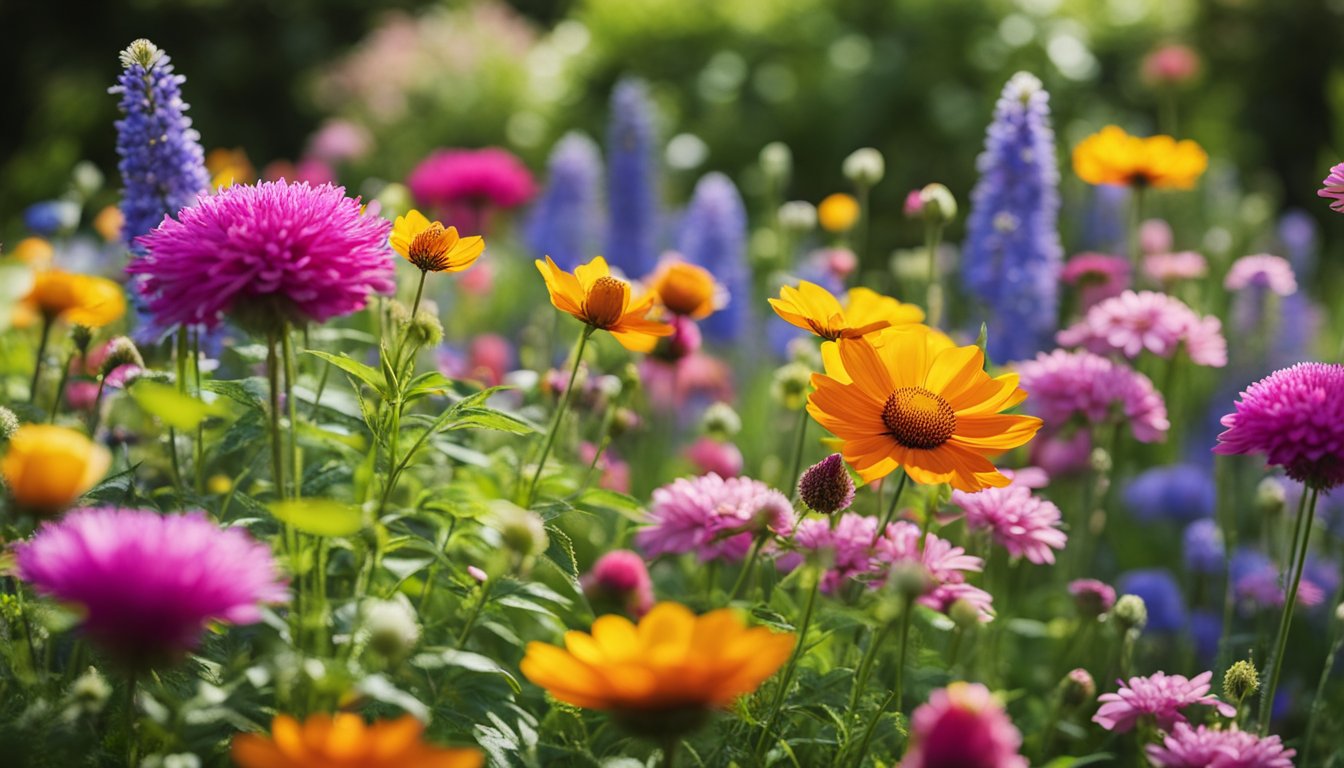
(717, 456)
(1171, 64)
(1262, 270)
(1021, 522)
(713, 517)
(1067, 385)
(1147, 320)
(1155, 236)
(1098, 276)
(1332, 186)
(1168, 268)
(1202, 747)
(962, 726)
(1159, 696)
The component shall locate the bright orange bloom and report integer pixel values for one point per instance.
(685, 289)
(813, 308)
(671, 662)
(432, 247)
(838, 212)
(601, 301)
(109, 222)
(345, 741)
(920, 403)
(46, 468)
(1112, 156)
(78, 299)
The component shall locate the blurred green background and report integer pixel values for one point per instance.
(914, 78)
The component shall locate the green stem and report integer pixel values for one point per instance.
(295, 454)
(96, 413)
(866, 668)
(1302, 530)
(60, 388)
(891, 510)
(747, 567)
(898, 690)
(559, 414)
(199, 456)
(670, 752)
(933, 235)
(1227, 521)
(277, 439)
(799, 441)
(786, 681)
(1318, 703)
(41, 353)
(475, 613)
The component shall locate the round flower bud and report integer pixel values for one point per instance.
(477, 574)
(1100, 460)
(964, 614)
(720, 421)
(80, 336)
(90, 691)
(909, 579)
(624, 420)
(1270, 497)
(826, 486)
(86, 178)
(1092, 598)
(1130, 612)
(399, 313)
(864, 167)
(1077, 688)
(619, 582)
(9, 423)
(940, 207)
(790, 385)
(425, 329)
(118, 352)
(1241, 681)
(390, 626)
(776, 161)
(523, 531)
(798, 216)
(838, 212)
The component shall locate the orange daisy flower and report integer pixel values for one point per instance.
(920, 403)
(602, 301)
(431, 246)
(344, 741)
(1112, 156)
(813, 308)
(685, 289)
(78, 299)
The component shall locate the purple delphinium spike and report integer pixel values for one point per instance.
(632, 181)
(565, 220)
(713, 234)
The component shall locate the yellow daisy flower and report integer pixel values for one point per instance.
(685, 289)
(431, 246)
(838, 212)
(1112, 156)
(602, 301)
(47, 468)
(813, 308)
(345, 741)
(78, 299)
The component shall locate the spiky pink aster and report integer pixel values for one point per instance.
(1295, 417)
(271, 251)
(713, 517)
(963, 726)
(1159, 696)
(1168, 268)
(148, 583)
(1262, 270)
(1332, 187)
(1066, 385)
(1147, 320)
(1204, 747)
(1098, 276)
(1019, 521)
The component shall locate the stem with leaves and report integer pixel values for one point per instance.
(559, 415)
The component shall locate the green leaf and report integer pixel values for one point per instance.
(320, 517)
(174, 408)
(249, 392)
(364, 373)
(381, 689)
(467, 660)
(489, 418)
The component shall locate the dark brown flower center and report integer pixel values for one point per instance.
(605, 302)
(429, 250)
(917, 418)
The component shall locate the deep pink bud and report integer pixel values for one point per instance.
(826, 486)
(619, 582)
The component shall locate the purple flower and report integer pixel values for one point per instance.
(1202, 547)
(713, 235)
(1067, 385)
(1161, 596)
(162, 165)
(1257, 583)
(1092, 597)
(632, 180)
(1159, 696)
(1204, 747)
(1332, 186)
(826, 486)
(1300, 235)
(263, 254)
(1182, 492)
(1295, 417)
(149, 583)
(713, 517)
(1147, 320)
(564, 222)
(1262, 270)
(1024, 524)
(1012, 251)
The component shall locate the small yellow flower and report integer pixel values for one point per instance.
(673, 665)
(109, 222)
(35, 252)
(813, 308)
(228, 167)
(345, 741)
(685, 289)
(838, 212)
(1112, 156)
(47, 468)
(78, 299)
(431, 246)
(603, 302)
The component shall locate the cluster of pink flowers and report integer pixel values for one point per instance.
(1098, 276)
(1024, 524)
(1065, 385)
(1159, 696)
(1262, 270)
(1168, 268)
(713, 517)
(1205, 747)
(1147, 320)
(1295, 417)
(962, 725)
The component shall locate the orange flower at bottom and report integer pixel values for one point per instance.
(672, 664)
(345, 741)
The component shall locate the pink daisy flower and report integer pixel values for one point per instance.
(1203, 747)
(1159, 696)
(1098, 276)
(1332, 186)
(1169, 268)
(149, 583)
(461, 184)
(1262, 270)
(962, 725)
(1020, 522)
(1295, 417)
(1147, 320)
(1067, 385)
(713, 517)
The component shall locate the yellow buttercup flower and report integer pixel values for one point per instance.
(345, 741)
(431, 246)
(864, 306)
(228, 167)
(47, 468)
(920, 403)
(78, 299)
(35, 252)
(813, 308)
(685, 289)
(603, 302)
(672, 666)
(1112, 156)
(838, 212)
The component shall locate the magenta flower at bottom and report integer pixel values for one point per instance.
(149, 583)
(1295, 417)
(1159, 696)
(962, 726)
(1202, 747)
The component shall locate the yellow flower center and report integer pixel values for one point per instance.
(917, 418)
(605, 302)
(429, 250)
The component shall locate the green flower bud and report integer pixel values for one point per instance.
(776, 161)
(865, 167)
(721, 422)
(523, 531)
(940, 207)
(1130, 612)
(1077, 688)
(1241, 681)
(121, 351)
(791, 384)
(425, 329)
(798, 216)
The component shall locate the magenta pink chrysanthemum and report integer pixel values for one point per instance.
(963, 726)
(1147, 320)
(1160, 697)
(1295, 417)
(1262, 270)
(1332, 187)
(713, 517)
(1204, 747)
(1067, 385)
(1024, 524)
(263, 254)
(148, 583)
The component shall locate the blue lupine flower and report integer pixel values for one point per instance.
(1181, 492)
(162, 165)
(1160, 593)
(632, 181)
(564, 223)
(1206, 630)
(51, 216)
(1202, 546)
(714, 236)
(1012, 252)
(1300, 235)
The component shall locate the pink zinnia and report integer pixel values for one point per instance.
(265, 253)
(1168, 268)
(1262, 270)
(962, 726)
(713, 517)
(1021, 522)
(1295, 417)
(1171, 64)
(619, 579)
(1147, 320)
(1098, 276)
(718, 456)
(1066, 385)
(1332, 186)
(1203, 747)
(149, 583)
(1155, 236)
(461, 184)
(1159, 696)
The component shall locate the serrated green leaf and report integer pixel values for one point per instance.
(474, 662)
(249, 392)
(320, 517)
(364, 373)
(489, 418)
